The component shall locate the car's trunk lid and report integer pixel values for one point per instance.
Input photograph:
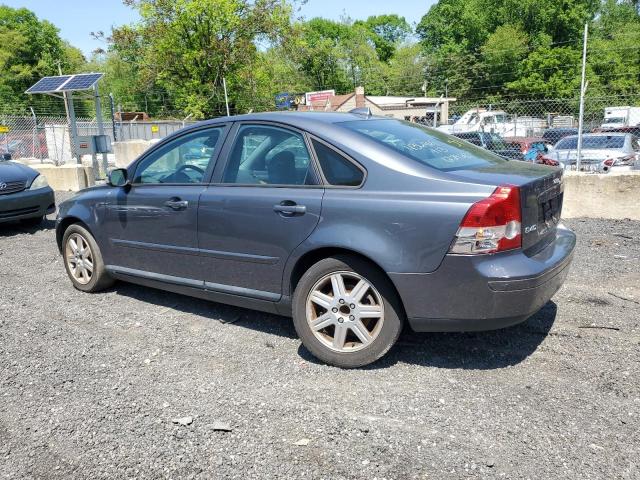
(541, 194)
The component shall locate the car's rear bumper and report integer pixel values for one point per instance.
(485, 292)
(27, 204)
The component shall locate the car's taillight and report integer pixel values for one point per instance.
(492, 224)
(609, 162)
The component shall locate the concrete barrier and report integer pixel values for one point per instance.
(127, 152)
(612, 195)
(67, 177)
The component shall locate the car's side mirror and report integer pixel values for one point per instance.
(118, 177)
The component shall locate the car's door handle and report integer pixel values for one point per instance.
(176, 204)
(287, 208)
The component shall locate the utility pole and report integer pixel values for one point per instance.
(226, 99)
(583, 88)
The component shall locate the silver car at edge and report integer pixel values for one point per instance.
(601, 152)
(351, 224)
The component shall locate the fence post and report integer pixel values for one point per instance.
(33, 135)
(113, 117)
(582, 92)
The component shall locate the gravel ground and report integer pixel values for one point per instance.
(91, 386)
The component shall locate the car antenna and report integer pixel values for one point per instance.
(365, 111)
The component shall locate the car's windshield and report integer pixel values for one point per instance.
(594, 142)
(427, 146)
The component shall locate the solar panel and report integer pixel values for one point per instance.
(65, 83)
(48, 84)
(81, 82)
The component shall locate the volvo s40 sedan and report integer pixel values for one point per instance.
(349, 223)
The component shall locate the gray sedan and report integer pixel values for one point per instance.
(24, 194)
(349, 223)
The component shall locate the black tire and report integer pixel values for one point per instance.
(32, 222)
(100, 279)
(393, 312)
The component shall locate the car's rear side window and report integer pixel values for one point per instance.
(430, 147)
(337, 169)
(595, 142)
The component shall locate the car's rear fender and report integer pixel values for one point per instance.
(399, 232)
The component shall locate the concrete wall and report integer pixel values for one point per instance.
(67, 177)
(127, 152)
(613, 195)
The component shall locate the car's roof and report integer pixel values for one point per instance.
(604, 134)
(307, 119)
(523, 139)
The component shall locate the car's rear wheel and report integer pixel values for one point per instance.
(83, 260)
(346, 312)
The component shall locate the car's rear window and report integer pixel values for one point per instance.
(598, 141)
(430, 147)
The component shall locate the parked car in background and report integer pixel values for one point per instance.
(632, 130)
(553, 135)
(616, 117)
(495, 121)
(601, 152)
(492, 142)
(24, 193)
(350, 223)
(532, 148)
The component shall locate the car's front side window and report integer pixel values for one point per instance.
(183, 161)
(266, 155)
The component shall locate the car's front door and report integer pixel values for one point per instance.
(152, 223)
(267, 201)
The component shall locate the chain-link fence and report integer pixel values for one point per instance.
(522, 128)
(48, 139)
(546, 130)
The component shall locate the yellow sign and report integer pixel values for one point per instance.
(4, 129)
(155, 128)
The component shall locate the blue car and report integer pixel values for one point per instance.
(349, 223)
(25, 194)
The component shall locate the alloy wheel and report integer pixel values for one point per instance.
(79, 258)
(344, 311)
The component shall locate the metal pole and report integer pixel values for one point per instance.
(66, 103)
(105, 160)
(113, 117)
(582, 92)
(33, 136)
(73, 128)
(226, 99)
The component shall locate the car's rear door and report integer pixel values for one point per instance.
(152, 224)
(265, 201)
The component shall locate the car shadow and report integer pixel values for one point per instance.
(227, 314)
(469, 350)
(473, 350)
(9, 229)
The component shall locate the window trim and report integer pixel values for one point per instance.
(206, 178)
(221, 167)
(324, 180)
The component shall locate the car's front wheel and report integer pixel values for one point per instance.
(83, 260)
(346, 312)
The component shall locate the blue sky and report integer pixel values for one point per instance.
(76, 19)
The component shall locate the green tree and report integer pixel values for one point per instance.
(187, 47)
(30, 49)
(387, 32)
